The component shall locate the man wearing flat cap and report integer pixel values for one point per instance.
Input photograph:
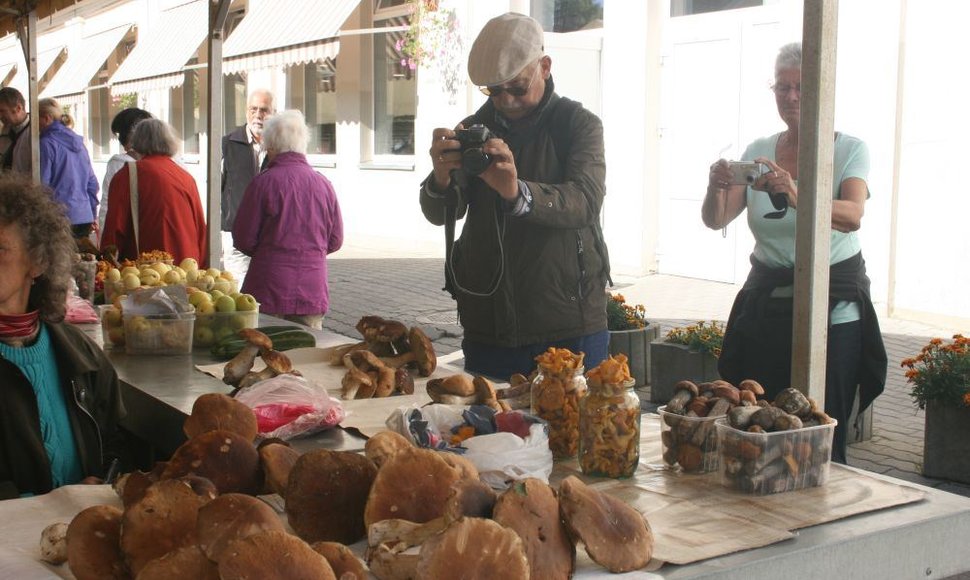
(529, 270)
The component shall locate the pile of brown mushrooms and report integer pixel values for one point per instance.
(463, 389)
(770, 448)
(688, 434)
(381, 364)
(239, 373)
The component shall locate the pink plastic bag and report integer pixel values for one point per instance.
(289, 406)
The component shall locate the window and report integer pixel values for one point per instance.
(186, 111)
(311, 88)
(688, 7)
(568, 15)
(395, 91)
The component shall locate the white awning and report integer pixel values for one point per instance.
(45, 58)
(82, 64)
(6, 72)
(157, 62)
(286, 32)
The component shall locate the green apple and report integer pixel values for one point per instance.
(191, 276)
(216, 294)
(222, 285)
(202, 335)
(129, 270)
(227, 275)
(198, 296)
(112, 275)
(205, 283)
(225, 303)
(214, 272)
(205, 307)
(223, 332)
(240, 321)
(150, 277)
(117, 335)
(138, 324)
(171, 277)
(112, 317)
(161, 267)
(246, 302)
(189, 265)
(131, 281)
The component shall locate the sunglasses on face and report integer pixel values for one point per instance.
(514, 91)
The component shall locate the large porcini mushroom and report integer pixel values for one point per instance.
(452, 390)
(794, 402)
(187, 562)
(273, 556)
(684, 391)
(485, 393)
(382, 378)
(421, 354)
(213, 411)
(483, 548)
(753, 386)
(242, 363)
(226, 458)
(53, 543)
(346, 566)
(277, 460)
(93, 547)
(530, 507)
(383, 444)
(326, 495)
(616, 536)
(413, 484)
(230, 517)
(161, 521)
(277, 363)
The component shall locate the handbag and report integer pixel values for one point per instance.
(133, 194)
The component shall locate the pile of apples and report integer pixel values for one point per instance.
(221, 310)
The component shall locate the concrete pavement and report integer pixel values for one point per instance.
(406, 284)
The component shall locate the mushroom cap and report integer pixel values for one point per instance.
(93, 549)
(423, 350)
(256, 338)
(346, 566)
(185, 562)
(472, 498)
(226, 458)
(369, 324)
(53, 543)
(354, 379)
(213, 411)
(273, 556)
(327, 493)
(481, 548)
(383, 445)
(687, 385)
(230, 517)
(727, 391)
(531, 508)
(753, 386)
(386, 380)
(277, 361)
(277, 460)
(413, 485)
(465, 468)
(616, 536)
(403, 381)
(161, 521)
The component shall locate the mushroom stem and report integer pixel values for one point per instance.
(241, 364)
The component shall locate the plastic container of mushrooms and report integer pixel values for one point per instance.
(689, 443)
(762, 463)
(159, 334)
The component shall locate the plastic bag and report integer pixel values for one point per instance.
(501, 458)
(288, 406)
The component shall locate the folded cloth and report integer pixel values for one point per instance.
(79, 311)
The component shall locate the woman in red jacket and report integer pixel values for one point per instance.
(170, 216)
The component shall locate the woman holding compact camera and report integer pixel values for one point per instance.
(758, 338)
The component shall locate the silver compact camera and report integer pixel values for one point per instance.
(746, 172)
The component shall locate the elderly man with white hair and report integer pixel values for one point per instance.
(288, 222)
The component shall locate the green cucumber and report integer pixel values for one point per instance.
(283, 337)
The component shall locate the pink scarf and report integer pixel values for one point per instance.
(19, 326)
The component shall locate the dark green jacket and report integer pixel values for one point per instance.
(94, 405)
(551, 265)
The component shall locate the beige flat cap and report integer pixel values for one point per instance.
(505, 46)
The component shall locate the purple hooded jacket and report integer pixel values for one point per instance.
(288, 222)
(66, 168)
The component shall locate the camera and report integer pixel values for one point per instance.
(746, 172)
(473, 159)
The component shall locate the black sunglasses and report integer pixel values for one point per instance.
(514, 91)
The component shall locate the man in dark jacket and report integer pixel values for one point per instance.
(66, 168)
(242, 158)
(529, 270)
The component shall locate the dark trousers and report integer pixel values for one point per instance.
(500, 363)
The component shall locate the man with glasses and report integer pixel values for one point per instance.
(529, 270)
(242, 159)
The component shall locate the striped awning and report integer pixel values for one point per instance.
(158, 62)
(81, 66)
(286, 32)
(45, 58)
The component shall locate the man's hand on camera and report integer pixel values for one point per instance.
(777, 181)
(501, 175)
(445, 156)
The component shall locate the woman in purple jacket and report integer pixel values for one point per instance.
(288, 222)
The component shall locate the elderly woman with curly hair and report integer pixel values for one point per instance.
(60, 401)
(288, 222)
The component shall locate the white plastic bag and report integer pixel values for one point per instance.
(501, 458)
(288, 406)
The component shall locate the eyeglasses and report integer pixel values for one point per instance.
(514, 91)
(783, 90)
(260, 110)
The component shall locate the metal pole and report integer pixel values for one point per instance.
(814, 216)
(218, 11)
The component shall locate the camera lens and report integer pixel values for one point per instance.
(750, 177)
(474, 161)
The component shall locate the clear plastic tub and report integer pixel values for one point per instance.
(211, 327)
(765, 463)
(112, 325)
(159, 333)
(689, 443)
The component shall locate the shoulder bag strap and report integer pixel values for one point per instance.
(133, 194)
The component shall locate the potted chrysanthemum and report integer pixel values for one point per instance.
(685, 353)
(940, 380)
(630, 334)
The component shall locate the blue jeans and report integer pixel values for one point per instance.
(501, 362)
